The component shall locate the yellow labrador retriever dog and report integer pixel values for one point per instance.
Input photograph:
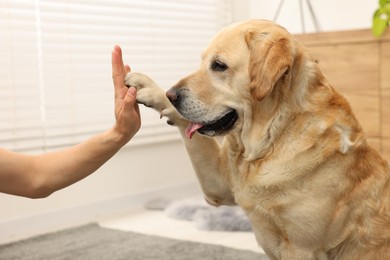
(293, 155)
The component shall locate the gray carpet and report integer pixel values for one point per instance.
(91, 242)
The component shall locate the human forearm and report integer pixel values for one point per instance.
(60, 169)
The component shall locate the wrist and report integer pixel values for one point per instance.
(118, 137)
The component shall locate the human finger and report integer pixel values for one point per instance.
(117, 71)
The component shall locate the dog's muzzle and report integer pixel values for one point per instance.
(196, 113)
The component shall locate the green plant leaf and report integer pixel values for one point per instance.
(386, 8)
(382, 2)
(376, 13)
(379, 25)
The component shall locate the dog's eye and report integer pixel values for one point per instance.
(218, 66)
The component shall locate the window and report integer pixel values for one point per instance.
(55, 63)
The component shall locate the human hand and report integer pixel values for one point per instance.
(127, 115)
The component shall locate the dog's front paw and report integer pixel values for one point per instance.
(148, 92)
(151, 95)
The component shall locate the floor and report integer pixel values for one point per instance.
(155, 222)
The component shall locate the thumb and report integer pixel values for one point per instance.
(130, 97)
(130, 104)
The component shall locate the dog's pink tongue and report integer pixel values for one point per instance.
(191, 129)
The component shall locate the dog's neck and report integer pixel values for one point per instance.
(262, 127)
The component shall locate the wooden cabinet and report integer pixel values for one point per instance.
(358, 65)
(385, 88)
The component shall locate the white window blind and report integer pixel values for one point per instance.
(55, 63)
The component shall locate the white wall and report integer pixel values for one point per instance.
(332, 15)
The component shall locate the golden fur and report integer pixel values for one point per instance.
(297, 160)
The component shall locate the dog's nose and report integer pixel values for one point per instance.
(173, 97)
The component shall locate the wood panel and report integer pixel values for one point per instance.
(341, 37)
(385, 84)
(385, 66)
(385, 113)
(350, 68)
(386, 149)
(353, 70)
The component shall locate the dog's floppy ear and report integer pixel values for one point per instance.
(269, 60)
